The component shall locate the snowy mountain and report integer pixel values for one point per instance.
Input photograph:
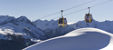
(44, 29)
(16, 33)
(80, 39)
(11, 28)
(21, 25)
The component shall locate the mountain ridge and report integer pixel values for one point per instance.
(44, 29)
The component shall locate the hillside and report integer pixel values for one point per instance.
(80, 39)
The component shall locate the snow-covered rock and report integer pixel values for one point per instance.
(80, 39)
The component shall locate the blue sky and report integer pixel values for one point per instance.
(36, 9)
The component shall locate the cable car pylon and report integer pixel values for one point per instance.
(62, 22)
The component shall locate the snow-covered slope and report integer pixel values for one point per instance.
(5, 32)
(80, 39)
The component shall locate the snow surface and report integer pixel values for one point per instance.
(5, 31)
(80, 39)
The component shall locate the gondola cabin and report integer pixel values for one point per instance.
(62, 22)
(88, 18)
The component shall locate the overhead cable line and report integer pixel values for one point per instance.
(79, 5)
(90, 7)
(105, 2)
(50, 14)
(75, 11)
(82, 4)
